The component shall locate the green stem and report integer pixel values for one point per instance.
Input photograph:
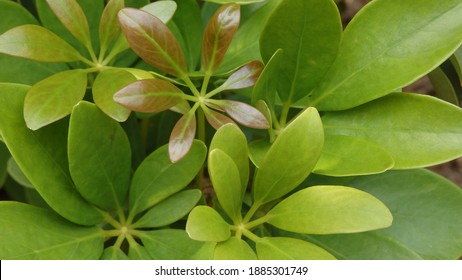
(191, 86)
(284, 113)
(205, 84)
(110, 220)
(251, 212)
(256, 222)
(247, 233)
(201, 137)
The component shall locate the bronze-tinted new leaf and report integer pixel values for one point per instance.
(245, 77)
(149, 96)
(218, 35)
(217, 120)
(244, 114)
(182, 137)
(151, 39)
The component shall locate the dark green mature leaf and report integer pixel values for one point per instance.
(163, 10)
(4, 159)
(243, 113)
(101, 165)
(42, 156)
(309, 32)
(234, 249)
(329, 210)
(151, 39)
(36, 43)
(158, 178)
(443, 87)
(108, 26)
(288, 162)
(54, 97)
(416, 130)
(182, 137)
(283, 248)
(173, 244)
(138, 252)
(170, 210)
(218, 35)
(217, 120)
(400, 55)
(244, 77)
(29, 232)
(113, 253)
(205, 224)
(149, 96)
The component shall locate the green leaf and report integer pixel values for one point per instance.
(106, 84)
(113, 253)
(225, 178)
(54, 97)
(4, 161)
(138, 252)
(101, 165)
(287, 163)
(205, 224)
(29, 232)
(158, 178)
(328, 210)
(427, 222)
(36, 43)
(173, 244)
(163, 10)
(241, 2)
(182, 137)
(409, 127)
(218, 35)
(243, 113)
(348, 155)
(309, 48)
(149, 96)
(244, 77)
(258, 150)
(443, 87)
(42, 156)
(234, 249)
(170, 210)
(108, 26)
(284, 248)
(151, 39)
(402, 53)
(236, 149)
(16, 173)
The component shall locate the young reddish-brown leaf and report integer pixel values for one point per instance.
(108, 26)
(244, 114)
(218, 35)
(217, 120)
(244, 77)
(149, 96)
(151, 39)
(73, 18)
(182, 137)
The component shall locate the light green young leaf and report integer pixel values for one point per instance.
(309, 33)
(416, 130)
(205, 224)
(54, 97)
(101, 165)
(29, 232)
(42, 156)
(225, 178)
(170, 210)
(113, 253)
(163, 10)
(158, 178)
(348, 155)
(108, 26)
(330, 210)
(406, 49)
(284, 248)
(173, 244)
(234, 249)
(258, 150)
(288, 163)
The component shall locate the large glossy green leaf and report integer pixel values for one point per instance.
(173, 244)
(328, 210)
(54, 97)
(236, 149)
(288, 162)
(157, 177)
(36, 43)
(283, 248)
(101, 165)
(42, 156)
(427, 222)
(225, 178)
(29, 232)
(106, 84)
(182, 137)
(218, 35)
(108, 26)
(170, 210)
(416, 130)
(151, 39)
(309, 33)
(370, 65)
(234, 249)
(348, 155)
(205, 224)
(163, 10)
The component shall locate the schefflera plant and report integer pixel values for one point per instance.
(96, 208)
(323, 209)
(153, 41)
